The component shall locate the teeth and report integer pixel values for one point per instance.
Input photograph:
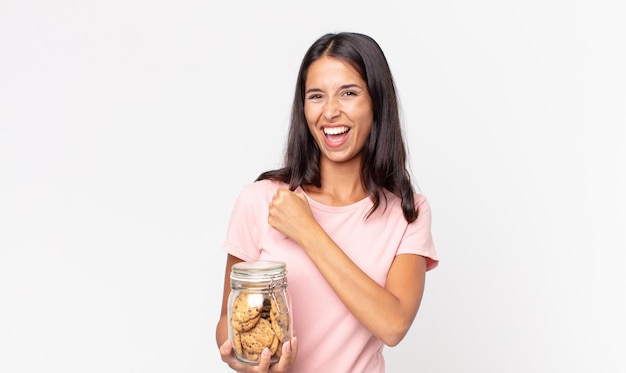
(335, 130)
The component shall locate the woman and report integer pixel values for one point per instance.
(342, 214)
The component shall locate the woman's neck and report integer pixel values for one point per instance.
(341, 184)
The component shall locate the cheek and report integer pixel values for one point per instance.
(366, 120)
(310, 123)
(310, 117)
(311, 129)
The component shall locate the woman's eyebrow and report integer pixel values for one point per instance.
(311, 90)
(344, 86)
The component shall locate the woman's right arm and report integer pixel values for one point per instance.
(221, 332)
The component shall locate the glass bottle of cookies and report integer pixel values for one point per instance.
(259, 310)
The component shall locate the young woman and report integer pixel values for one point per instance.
(342, 214)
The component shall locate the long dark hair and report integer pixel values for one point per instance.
(384, 162)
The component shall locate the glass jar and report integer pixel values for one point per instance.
(259, 310)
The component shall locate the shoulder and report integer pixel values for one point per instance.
(261, 190)
(393, 203)
(254, 198)
(393, 200)
(423, 209)
(421, 202)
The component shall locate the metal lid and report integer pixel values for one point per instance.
(258, 271)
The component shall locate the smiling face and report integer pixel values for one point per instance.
(338, 109)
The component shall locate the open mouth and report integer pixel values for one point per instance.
(335, 131)
(336, 136)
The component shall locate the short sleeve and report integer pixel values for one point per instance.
(242, 238)
(418, 236)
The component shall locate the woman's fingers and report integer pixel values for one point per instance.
(264, 363)
(226, 350)
(288, 357)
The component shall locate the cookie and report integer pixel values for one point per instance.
(245, 325)
(267, 307)
(279, 349)
(252, 356)
(247, 307)
(258, 338)
(274, 346)
(237, 343)
(279, 317)
(259, 321)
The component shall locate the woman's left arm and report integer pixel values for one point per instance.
(387, 312)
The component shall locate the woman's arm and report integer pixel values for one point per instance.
(387, 312)
(221, 332)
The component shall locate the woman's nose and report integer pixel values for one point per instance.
(331, 109)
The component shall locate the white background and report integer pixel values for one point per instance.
(127, 128)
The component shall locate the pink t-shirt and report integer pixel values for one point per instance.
(330, 339)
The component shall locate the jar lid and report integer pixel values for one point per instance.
(259, 271)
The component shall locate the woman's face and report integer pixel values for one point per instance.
(338, 109)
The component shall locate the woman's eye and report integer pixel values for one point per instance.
(315, 97)
(349, 93)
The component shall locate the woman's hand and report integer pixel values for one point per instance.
(288, 357)
(290, 213)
